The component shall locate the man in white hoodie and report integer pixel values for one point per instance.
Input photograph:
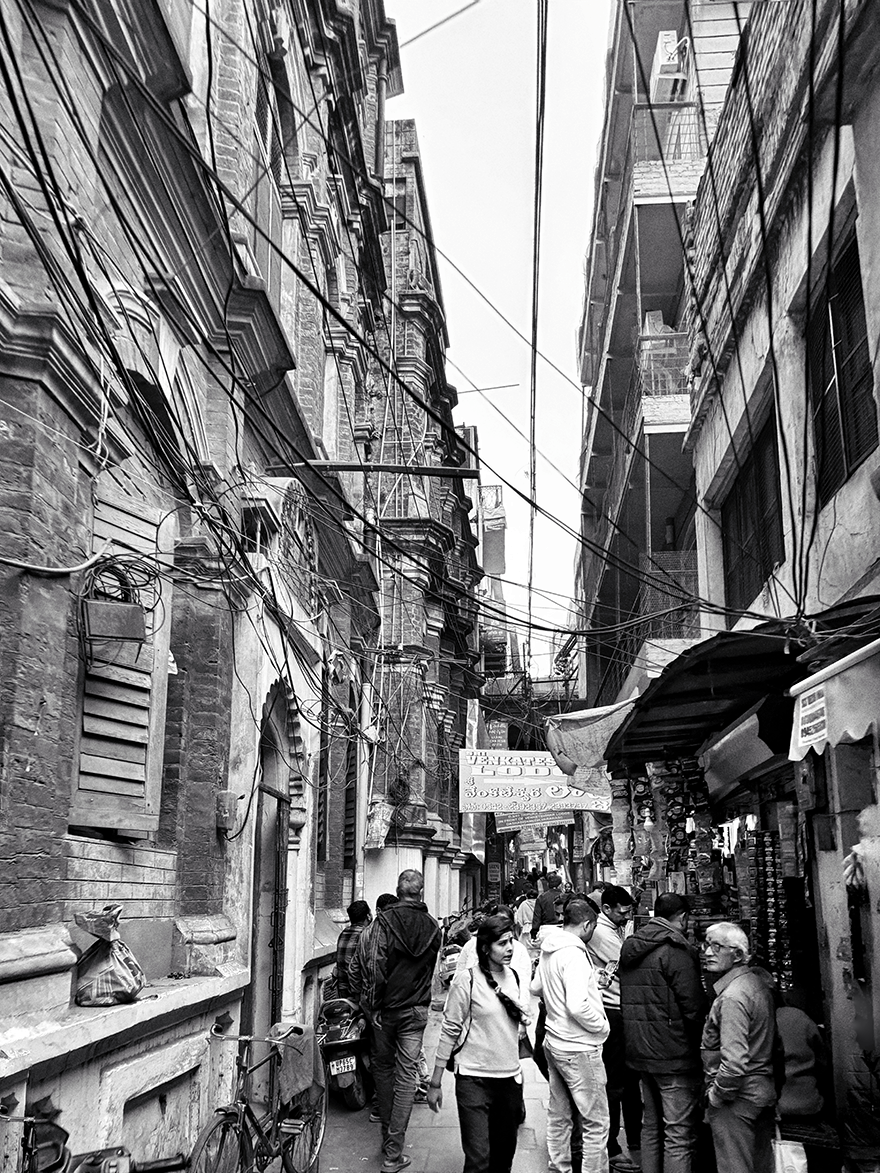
(577, 1028)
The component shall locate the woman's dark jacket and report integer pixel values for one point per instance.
(662, 999)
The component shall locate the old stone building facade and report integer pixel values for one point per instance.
(192, 304)
(429, 654)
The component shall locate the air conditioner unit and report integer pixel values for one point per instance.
(668, 73)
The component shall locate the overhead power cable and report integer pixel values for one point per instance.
(630, 441)
(438, 24)
(120, 63)
(540, 113)
(521, 494)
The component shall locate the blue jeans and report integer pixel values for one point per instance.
(397, 1044)
(580, 1074)
(670, 1122)
(488, 1114)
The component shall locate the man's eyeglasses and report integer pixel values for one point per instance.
(714, 947)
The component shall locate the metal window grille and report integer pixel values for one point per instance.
(350, 814)
(751, 522)
(840, 378)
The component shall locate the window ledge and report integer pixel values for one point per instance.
(70, 1036)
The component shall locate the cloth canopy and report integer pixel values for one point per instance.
(579, 739)
(838, 704)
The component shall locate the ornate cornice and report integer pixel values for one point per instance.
(37, 345)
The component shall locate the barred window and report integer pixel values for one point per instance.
(751, 522)
(840, 378)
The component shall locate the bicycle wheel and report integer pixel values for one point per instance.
(302, 1130)
(223, 1146)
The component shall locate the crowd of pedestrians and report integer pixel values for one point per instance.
(678, 1047)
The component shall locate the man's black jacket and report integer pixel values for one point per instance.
(545, 909)
(404, 943)
(662, 999)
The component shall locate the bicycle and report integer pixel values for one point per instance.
(239, 1140)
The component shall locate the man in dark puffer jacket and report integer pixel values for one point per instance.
(664, 1007)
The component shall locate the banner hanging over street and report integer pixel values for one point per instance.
(519, 821)
(517, 781)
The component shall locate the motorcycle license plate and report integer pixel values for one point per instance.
(338, 1066)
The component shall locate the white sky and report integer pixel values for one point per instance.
(470, 85)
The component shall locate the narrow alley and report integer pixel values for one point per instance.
(433, 1143)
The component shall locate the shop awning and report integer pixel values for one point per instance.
(580, 738)
(704, 690)
(837, 704)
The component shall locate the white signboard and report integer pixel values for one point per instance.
(520, 782)
(517, 821)
(812, 716)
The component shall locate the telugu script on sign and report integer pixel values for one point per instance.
(517, 782)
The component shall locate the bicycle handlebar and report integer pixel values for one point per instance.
(217, 1032)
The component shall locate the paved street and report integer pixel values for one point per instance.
(433, 1143)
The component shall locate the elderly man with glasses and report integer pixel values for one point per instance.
(737, 1050)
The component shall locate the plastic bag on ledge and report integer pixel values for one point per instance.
(108, 972)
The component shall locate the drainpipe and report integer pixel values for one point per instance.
(381, 87)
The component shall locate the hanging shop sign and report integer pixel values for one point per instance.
(525, 783)
(532, 840)
(540, 821)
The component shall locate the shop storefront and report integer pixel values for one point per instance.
(750, 786)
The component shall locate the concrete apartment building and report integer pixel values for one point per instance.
(668, 69)
(428, 655)
(783, 435)
(192, 304)
(730, 330)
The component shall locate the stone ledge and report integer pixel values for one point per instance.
(30, 952)
(201, 945)
(39, 1043)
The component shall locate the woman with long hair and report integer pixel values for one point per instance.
(484, 1019)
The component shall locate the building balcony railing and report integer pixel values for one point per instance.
(667, 600)
(664, 160)
(667, 133)
(661, 364)
(659, 371)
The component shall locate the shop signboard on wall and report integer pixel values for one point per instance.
(493, 873)
(811, 716)
(520, 782)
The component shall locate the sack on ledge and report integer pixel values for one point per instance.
(108, 973)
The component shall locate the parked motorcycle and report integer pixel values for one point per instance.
(455, 934)
(448, 962)
(344, 1040)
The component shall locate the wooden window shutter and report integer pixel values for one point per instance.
(118, 780)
